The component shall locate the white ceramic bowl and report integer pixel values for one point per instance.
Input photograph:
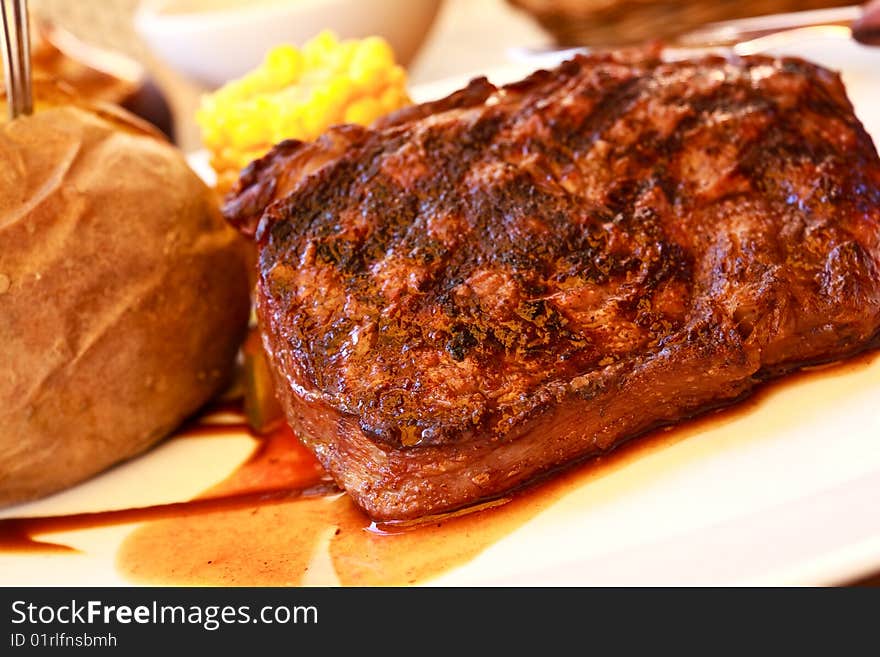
(212, 43)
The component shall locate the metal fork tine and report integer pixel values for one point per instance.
(22, 29)
(9, 65)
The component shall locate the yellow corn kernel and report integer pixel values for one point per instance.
(375, 50)
(339, 90)
(371, 62)
(284, 65)
(364, 111)
(316, 51)
(313, 118)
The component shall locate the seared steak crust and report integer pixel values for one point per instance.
(478, 290)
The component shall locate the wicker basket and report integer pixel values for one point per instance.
(621, 22)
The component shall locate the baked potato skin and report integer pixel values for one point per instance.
(123, 297)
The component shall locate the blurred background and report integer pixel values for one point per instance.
(464, 36)
(188, 47)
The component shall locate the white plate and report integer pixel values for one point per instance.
(785, 493)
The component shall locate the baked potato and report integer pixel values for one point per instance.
(123, 294)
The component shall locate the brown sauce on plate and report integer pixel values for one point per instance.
(276, 544)
(278, 520)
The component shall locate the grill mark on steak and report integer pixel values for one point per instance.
(476, 290)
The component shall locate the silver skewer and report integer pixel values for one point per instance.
(17, 58)
(22, 28)
(9, 66)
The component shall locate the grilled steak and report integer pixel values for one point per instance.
(478, 290)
